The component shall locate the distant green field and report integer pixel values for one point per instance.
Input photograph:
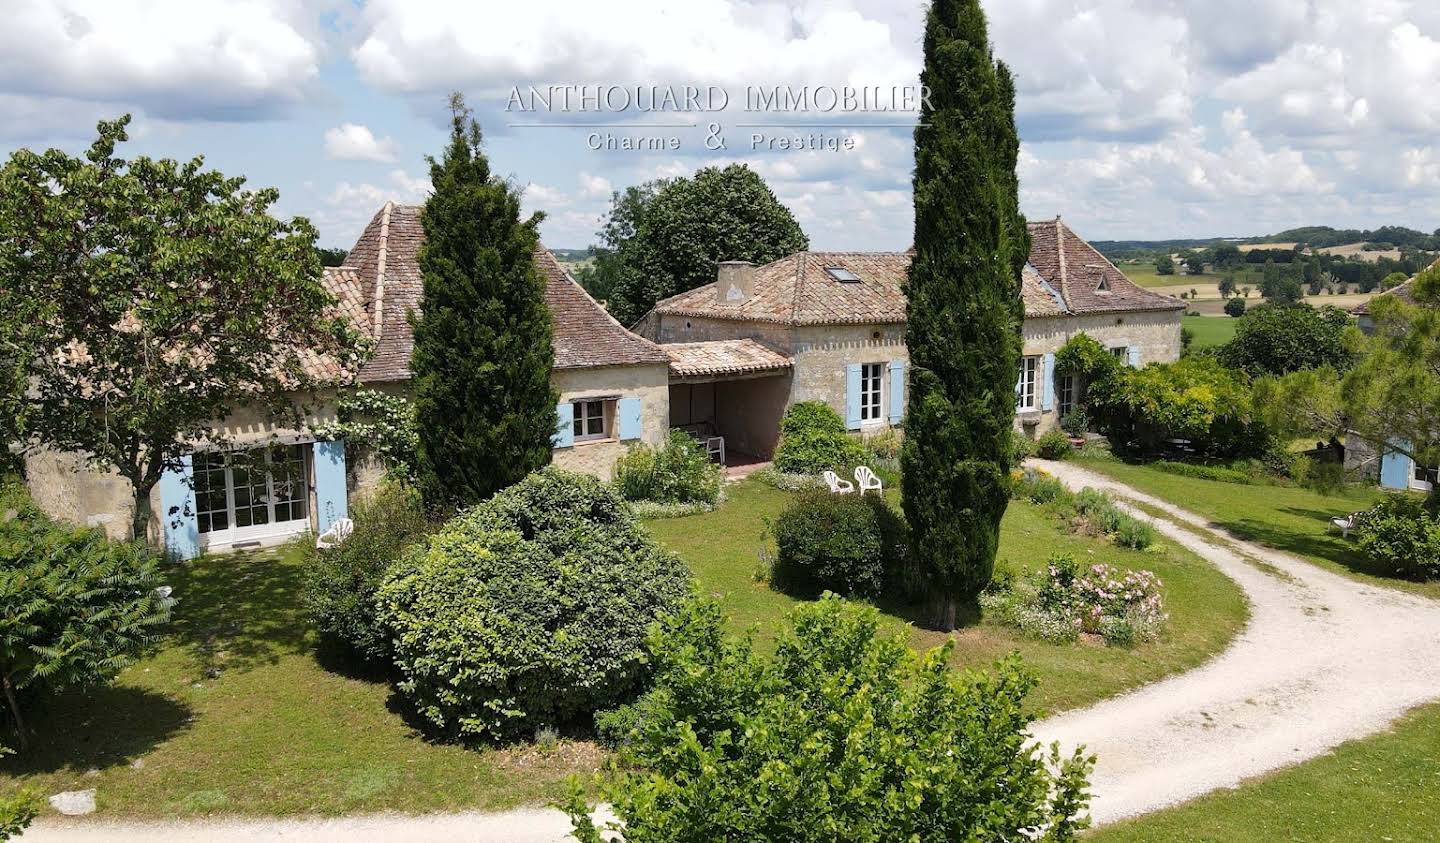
(1210, 330)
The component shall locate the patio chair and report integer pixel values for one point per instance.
(838, 486)
(338, 532)
(1346, 523)
(867, 481)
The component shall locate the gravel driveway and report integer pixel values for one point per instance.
(1323, 660)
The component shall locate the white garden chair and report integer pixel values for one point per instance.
(1345, 524)
(838, 486)
(338, 532)
(867, 481)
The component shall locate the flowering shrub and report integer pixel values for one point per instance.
(1065, 599)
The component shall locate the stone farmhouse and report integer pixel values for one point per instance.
(721, 361)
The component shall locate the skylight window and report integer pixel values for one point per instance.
(841, 274)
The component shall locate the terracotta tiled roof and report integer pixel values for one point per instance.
(1086, 279)
(386, 262)
(586, 335)
(1063, 276)
(723, 357)
(343, 283)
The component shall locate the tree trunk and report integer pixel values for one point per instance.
(140, 522)
(20, 734)
(945, 606)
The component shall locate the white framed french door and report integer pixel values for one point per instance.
(249, 496)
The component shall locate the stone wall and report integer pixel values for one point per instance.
(822, 353)
(666, 329)
(649, 383)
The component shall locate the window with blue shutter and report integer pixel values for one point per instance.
(631, 423)
(1047, 376)
(1132, 356)
(852, 396)
(331, 493)
(897, 391)
(178, 524)
(564, 426)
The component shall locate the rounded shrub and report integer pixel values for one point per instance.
(1054, 445)
(340, 582)
(680, 472)
(813, 439)
(848, 544)
(1402, 534)
(529, 610)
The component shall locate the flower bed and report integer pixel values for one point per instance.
(1066, 599)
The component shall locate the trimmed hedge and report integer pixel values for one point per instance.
(813, 439)
(528, 611)
(849, 544)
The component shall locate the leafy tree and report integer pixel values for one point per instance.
(1235, 307)
(1245, 291)
(1165, 265)
(1195, 263)
(1227, 286)
(843, 734)
(75, 608)
(1227, 256)
(1393, 280)
(1391, 396)
(484, 406)
(1274, 340)
(332, 257)
(665, 238)
(1194, 399)
(963, 309)
(621, 254)
(145, 299)
(1278, 285)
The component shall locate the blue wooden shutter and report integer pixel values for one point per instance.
(177, 511)
(1132, 356)
(630, 422)
(897, 391)
(564, 426)
(331, 496)
(1047, 377)
(1395, 470)
(852, 396)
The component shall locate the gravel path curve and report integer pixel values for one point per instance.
(1324, 659)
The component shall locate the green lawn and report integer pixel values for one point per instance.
(1286, 518)
(1210, 330)
(1379, 788)
(1206, 608)
(238, 713)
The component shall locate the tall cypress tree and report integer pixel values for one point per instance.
(481, 364)
(963, 313)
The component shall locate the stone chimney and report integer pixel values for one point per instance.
(735, 282)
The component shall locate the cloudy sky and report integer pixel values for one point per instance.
(1139, 118)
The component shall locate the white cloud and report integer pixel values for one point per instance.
(428, 45)
(1422, 168)
(355, 142)
(595, 187)
(217, 59)
(342, 212)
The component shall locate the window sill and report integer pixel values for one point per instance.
(1028, 417)
(580, 443)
